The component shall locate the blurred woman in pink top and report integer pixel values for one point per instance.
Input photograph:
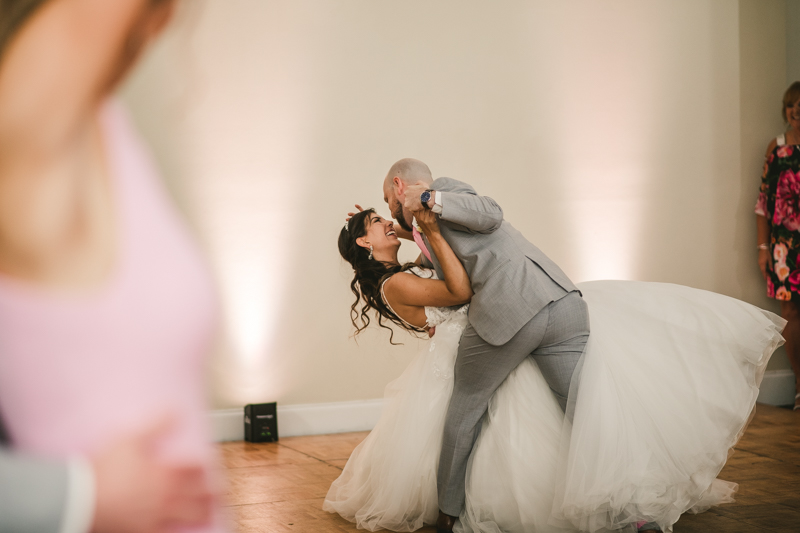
(106, 307)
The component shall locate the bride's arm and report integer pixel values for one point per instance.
(413, 291)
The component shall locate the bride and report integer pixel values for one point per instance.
(663, 391)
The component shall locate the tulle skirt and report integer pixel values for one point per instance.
(389, 482)
(664, 390)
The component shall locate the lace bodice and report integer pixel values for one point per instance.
(434, 315)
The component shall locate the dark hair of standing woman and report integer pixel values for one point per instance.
(369, 275)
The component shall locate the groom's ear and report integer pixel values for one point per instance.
(399, 186)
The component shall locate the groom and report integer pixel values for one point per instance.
(523, 305)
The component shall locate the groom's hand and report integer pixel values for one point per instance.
(413, 193)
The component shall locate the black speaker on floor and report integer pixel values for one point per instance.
(261, 422)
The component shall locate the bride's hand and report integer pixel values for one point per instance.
(427, 220)
(413, 192)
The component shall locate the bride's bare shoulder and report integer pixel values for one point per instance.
(398, 283)
(408, 286)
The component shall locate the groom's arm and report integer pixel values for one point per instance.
(457, 202)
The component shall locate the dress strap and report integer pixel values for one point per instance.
(781, 139)
(383, 297)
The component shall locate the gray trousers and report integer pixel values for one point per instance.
(555, 338)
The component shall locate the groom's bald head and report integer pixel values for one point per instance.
(409, 171)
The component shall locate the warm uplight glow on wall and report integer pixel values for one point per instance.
(605, 183)
(246, 136)
(605, 120)
(604, 227)
(250, 274)
(245, 228)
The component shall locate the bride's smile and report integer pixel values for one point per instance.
(381, 238)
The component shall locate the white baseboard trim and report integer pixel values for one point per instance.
(305, 419)
(777, 388)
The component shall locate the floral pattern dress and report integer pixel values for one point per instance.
(779, 202)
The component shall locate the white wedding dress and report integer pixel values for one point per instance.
(665, 388)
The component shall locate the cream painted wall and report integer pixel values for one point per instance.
(613, 133)
(792, 41)
(763, 65)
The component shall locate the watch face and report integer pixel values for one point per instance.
(425, 197)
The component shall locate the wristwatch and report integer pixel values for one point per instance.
(425, 197)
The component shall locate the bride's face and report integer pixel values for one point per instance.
(382, 237)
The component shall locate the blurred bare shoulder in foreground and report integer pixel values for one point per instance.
(69, 276)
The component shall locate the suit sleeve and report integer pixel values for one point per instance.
(463, 206)
(33, 493)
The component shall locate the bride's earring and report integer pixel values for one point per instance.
(370, 251)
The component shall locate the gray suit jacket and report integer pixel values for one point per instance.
(33, 493)
(512, 279)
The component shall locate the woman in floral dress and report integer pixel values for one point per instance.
(778, 219)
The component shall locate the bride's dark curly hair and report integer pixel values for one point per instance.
(369, 276)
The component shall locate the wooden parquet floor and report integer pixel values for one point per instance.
(279, 487)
